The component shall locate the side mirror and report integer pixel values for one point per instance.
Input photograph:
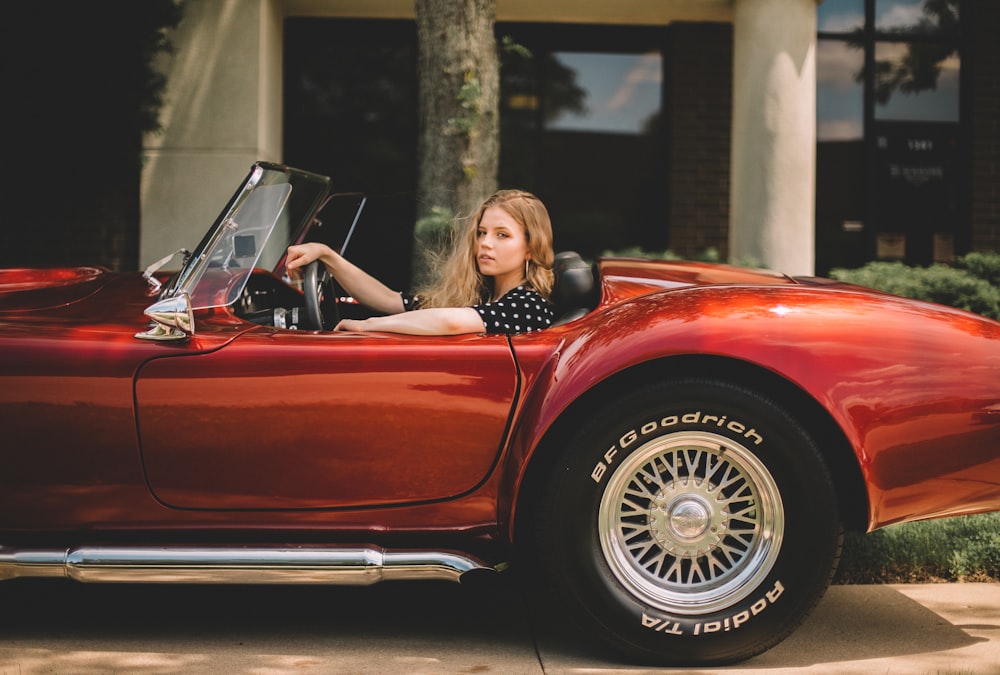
(173, 319)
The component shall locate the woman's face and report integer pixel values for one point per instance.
(501, 248)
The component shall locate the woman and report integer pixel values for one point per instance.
(496, 280)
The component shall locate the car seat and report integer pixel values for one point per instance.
(574, 291)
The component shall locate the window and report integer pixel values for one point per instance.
(888, 113)
(580, 113)
(839, 94)
(580, 127)
(621, 92)
(841, 16)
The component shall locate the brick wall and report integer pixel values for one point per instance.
(698, 83)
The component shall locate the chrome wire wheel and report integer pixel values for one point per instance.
(691, 523)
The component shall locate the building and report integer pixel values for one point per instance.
(770, 132)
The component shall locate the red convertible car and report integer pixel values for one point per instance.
(676, 459)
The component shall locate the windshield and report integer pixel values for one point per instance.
(273, 206)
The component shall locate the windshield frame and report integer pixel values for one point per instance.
(218, 270)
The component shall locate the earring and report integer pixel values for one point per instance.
(526, 261)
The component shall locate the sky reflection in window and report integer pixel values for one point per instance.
(622, 92)
(839, 95)
(840, 16)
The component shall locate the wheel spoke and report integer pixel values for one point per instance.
(683, 517)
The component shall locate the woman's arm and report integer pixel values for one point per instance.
(360, 285)
(432, 321)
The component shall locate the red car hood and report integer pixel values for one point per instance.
(36, 289)
(74, 296)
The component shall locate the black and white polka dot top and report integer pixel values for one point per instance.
(520, 310)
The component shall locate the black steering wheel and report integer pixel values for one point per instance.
(321, 299)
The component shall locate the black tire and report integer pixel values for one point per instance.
(711, 560)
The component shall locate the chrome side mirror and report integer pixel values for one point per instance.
(173, 319)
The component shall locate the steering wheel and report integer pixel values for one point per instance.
(320, 296)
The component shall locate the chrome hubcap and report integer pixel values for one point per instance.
(691, 522)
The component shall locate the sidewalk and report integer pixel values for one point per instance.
(922, 629)
(410, 628)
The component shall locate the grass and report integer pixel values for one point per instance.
(964, 548)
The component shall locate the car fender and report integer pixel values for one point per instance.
(911, 385)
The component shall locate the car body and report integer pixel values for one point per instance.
(676, 459)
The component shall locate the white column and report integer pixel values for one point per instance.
(772, 189)
(222, 112)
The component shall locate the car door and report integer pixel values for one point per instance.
(304, 420)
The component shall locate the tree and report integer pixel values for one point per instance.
(459, 87)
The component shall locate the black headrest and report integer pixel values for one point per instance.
(573, 292)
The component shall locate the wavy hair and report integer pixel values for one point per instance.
(459, 283)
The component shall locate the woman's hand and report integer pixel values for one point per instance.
(301, 255)
(351, 325)
(363, 287)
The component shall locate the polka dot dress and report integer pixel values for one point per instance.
(520, 310)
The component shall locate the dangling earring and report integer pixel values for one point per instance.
(526, 261)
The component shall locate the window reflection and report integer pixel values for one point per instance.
(934, 17)
(888, 116)
(621, 92)
(916, 82)
(839, 94)
(578, 104)
(840, 16)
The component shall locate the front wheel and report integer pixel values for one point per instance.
(691, 523)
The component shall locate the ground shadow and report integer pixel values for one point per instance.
(851, 623)
(449, 627)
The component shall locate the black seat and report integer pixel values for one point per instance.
(574, 292)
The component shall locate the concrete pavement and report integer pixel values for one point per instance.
(67, 627)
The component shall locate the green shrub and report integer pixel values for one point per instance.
(639, 252)
(965, 548)
(710, 254)
(969, 285)
(984, 266)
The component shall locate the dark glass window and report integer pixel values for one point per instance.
(888, 113)
(580, 116)
(840, 16)
(839, 92)
(580, 112)
(916, 81)
(914, 17)
(621, 92)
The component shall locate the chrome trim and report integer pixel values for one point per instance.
(173, 319)
(148, 273)
(307, 564)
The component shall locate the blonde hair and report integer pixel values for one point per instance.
(459, 282)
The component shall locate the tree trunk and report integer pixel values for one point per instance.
(459, 89)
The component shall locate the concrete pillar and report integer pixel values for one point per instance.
(772, 189)
(222, 112)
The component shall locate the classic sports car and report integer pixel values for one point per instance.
(676, 459)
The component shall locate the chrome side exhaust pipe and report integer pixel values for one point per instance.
(284, 564)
